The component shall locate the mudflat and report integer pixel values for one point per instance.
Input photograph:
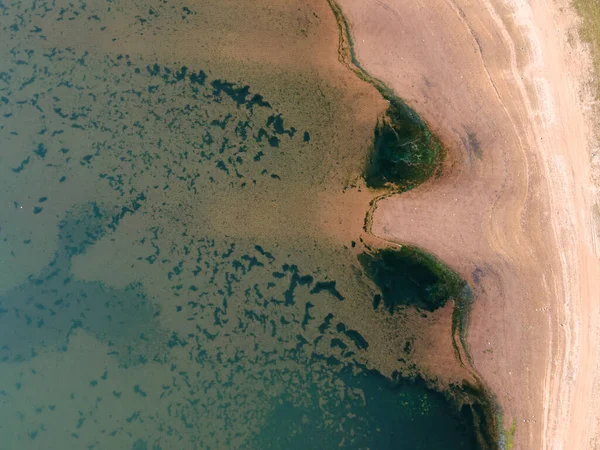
(503, 84)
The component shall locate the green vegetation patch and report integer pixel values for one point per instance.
(405, 153)
(409, 276)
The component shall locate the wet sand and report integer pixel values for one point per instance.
(504, 86)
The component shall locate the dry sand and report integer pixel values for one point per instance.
(503, 85)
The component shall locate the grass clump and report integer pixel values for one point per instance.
(509, 436)
(405, 153)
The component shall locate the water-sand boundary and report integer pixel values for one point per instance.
(426, 158)
(504, 87)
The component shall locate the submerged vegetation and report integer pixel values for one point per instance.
(410, 276)
(405, 153)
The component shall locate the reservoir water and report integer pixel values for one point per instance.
(182, 256)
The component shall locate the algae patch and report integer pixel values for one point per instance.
(409, 276)
(405, 153)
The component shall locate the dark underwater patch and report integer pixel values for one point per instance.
(411, 277)
(405, 153)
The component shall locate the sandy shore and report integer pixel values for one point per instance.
(503, 85)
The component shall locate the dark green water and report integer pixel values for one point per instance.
(164, 284)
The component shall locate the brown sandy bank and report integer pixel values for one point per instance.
(502, 84)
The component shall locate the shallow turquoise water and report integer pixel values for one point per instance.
(158, 288)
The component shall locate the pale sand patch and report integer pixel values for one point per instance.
(501, 85)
